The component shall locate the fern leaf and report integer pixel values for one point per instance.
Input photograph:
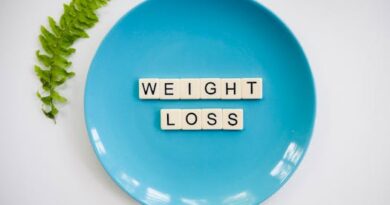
(56, 41)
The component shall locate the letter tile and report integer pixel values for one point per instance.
(231, 88)
(252, 88)
(148, 88)
(191, 119)
(169, 89)
(190, 89)
(212, 119)
(170, 119)
(210, 88)
(233, 119)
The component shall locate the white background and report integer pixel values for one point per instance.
(347, 43)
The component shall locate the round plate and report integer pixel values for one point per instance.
(196, 39)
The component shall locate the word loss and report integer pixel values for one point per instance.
(201, 88)
(202, 119)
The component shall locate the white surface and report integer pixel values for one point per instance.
(348, 162)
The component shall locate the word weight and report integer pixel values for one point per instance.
(200, 88)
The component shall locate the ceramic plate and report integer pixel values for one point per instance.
(199, 39)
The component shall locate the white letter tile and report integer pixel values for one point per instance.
(210, 88)
(231, 88)
(212, 119)
(148, 88)
(233, 119)
(170, 119)
(169, 89)
(252, 88)
(190, 89)
(191, 119)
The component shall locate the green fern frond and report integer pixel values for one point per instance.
(56, 42)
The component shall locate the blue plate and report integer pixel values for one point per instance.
(198, 38)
